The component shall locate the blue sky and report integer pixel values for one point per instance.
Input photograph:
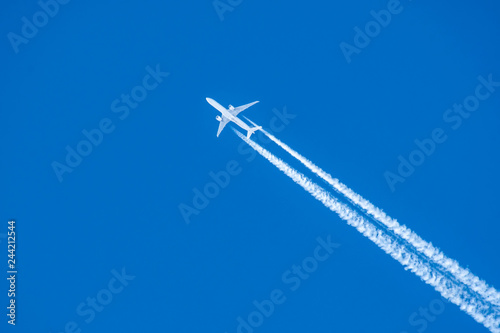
(112, 226)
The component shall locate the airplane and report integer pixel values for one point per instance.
(230, 115)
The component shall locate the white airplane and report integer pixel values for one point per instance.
(230, 115)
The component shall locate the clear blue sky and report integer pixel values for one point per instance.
(118, 208)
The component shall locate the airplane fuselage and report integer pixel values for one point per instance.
(235, 120)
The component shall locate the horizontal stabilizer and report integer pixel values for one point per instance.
(252, 130)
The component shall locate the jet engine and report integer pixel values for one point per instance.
(218, 118)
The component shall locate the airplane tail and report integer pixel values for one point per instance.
(252, 130)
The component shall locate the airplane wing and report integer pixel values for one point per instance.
(238, 109)
(222, 123)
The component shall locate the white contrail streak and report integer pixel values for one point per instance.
(456, 294)
(452, 266)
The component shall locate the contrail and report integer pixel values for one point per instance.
(452, 266)
(456, 294)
